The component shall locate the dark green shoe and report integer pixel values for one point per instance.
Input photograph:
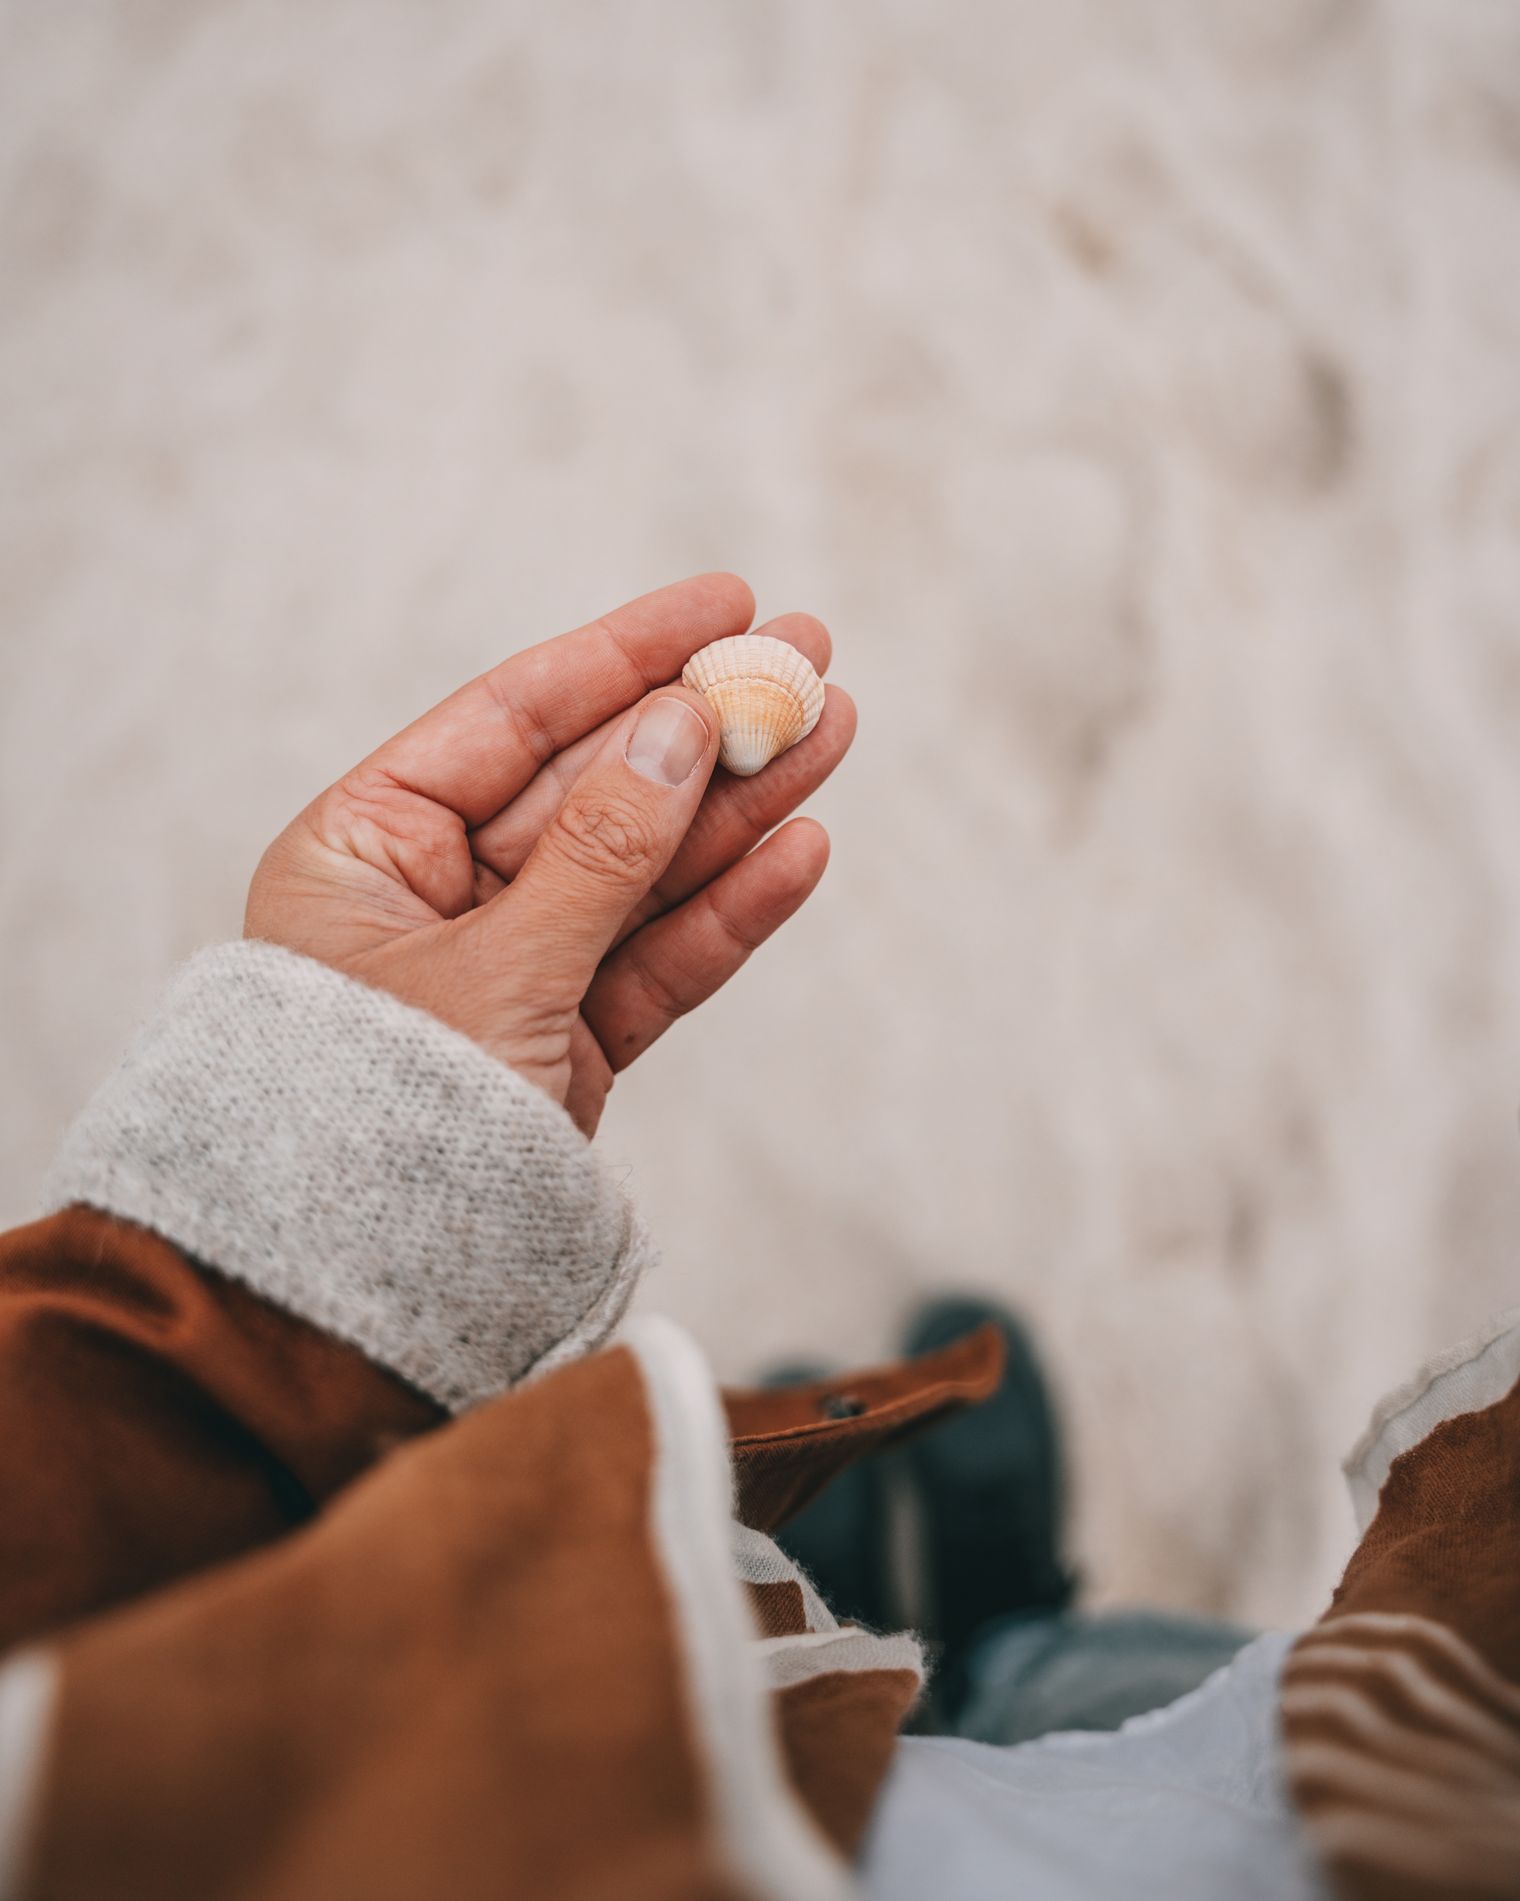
(960, 1526)
(987, 1494)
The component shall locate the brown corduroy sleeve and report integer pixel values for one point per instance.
(156, 1418)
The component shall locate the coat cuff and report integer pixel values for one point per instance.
(1464, 1379)
(363, 1166)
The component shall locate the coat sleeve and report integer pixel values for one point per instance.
(301, 1222)
(156, 1418)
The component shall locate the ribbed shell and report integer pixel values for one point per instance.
(765, 694)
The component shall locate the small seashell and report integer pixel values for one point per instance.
(764, 692)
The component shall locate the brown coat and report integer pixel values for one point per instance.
(311, 1638)
(305, 1636)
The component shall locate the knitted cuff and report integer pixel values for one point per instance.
(359, 1164)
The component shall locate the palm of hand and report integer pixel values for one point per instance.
(489, 865)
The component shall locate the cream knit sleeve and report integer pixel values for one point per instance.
(361, 1165)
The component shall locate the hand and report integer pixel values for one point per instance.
(541, 862)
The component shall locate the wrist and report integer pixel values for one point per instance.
(359, 1162)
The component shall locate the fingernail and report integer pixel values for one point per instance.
(667, 742)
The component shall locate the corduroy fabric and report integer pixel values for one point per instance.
(362, 1166)
(1401, 1708)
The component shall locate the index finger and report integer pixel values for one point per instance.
(480, 746)
(506, 838)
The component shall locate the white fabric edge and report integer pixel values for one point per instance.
(1463, 1379)
(760, 1560)
(28, 1687)
(765, 1836)
(822, 1653)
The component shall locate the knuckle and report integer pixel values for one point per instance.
(661, 993)
(531, 673)
(608, 836)
(740, 933)
(365, 799)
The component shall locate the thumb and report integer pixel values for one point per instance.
(617, 830)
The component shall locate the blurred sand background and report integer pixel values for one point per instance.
(1132, 386)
